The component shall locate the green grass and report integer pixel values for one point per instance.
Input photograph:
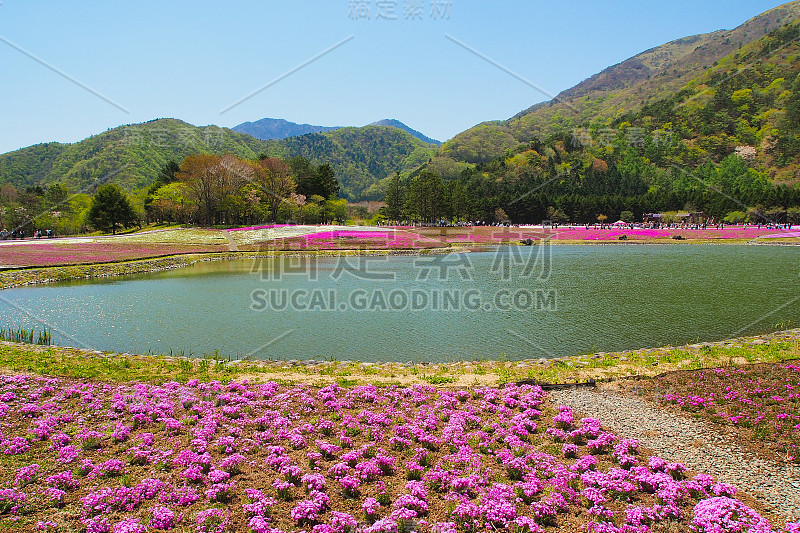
(439, 380)
(72, 363)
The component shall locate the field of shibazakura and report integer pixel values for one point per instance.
(178, 241)
(211, 457)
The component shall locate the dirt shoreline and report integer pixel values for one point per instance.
(26, 276)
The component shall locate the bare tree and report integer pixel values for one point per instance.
(202, 173)
(274, 180)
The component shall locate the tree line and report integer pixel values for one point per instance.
(202, 189)
(227, 190)
(553, 181)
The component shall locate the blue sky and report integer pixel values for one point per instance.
(134, 61)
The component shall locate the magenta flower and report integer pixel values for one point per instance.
(726, 514)
(212, 521)
(163, 518)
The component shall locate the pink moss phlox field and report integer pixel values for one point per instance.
(252, 228)
(409, 237)
(378, 240)
(747, 398)
(214, 457)
(41, 254)
(734, 232)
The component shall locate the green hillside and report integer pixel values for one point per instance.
(361, 156)
(132, 155)
(128, 155)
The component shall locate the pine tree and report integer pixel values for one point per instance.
(110, 208)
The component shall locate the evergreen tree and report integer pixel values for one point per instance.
(426, 197)
(326, 181)
(110, 208)
(395, 198)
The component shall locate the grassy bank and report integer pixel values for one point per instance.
(88, 364)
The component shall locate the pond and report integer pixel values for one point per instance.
(510, 302)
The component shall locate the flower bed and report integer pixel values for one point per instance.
(259, 234)
(265, 458)
(582, 234)
(410, 237)
(360, 240)
(61, 254)
(494, 235)
(176, 236)
(761, 402)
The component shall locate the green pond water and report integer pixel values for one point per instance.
(512, 302)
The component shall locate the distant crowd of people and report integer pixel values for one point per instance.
(598, 226)
(712, 224)
(448, 224)
(20, 234)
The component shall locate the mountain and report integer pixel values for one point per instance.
(712, 95)
(276, 128)
(721, 139)
(131, 155)
(360, 156)
(630, 85)
(397, 124)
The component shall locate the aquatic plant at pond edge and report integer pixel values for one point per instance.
(29, 336)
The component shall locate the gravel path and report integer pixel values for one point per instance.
(231, 243)
(702, 448)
